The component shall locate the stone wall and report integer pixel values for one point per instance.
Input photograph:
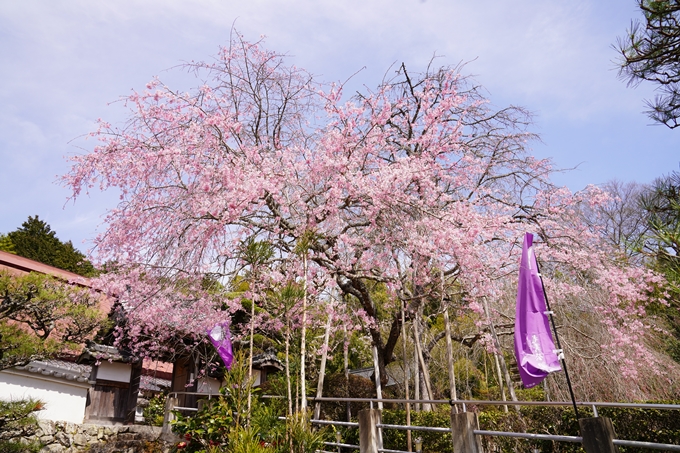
(65, 437)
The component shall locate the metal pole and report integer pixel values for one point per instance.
(557, 339)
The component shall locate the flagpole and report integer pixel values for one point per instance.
(557, 339)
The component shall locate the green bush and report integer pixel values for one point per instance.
(225, 424)
(647, 425)
(154, 413)
(18, 447)
(18, 421)
(432, 442)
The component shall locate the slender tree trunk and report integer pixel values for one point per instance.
(297, 394)
(416, 374)
(499, 377)
(449, 358)
(303, 341)
(376, 368)
(407, 370)
(449, 347)
(501, 359)
(322, 370)
(378, 387)
(288, 383)
(427, 407)
(250, 358)
(345, 354)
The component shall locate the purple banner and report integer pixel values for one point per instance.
(220, 337)
(534, 346)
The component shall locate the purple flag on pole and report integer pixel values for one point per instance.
(220, 337)
(534, 347)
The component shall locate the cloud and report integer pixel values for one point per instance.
(63, 63)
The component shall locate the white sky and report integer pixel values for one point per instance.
(62, 63)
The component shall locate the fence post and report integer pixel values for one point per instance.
(170, 404)
(370, 440)
(598, 435)
(463, 426)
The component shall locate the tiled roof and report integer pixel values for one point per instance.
(152, 384)
(368, 374)
(59, 369)
(95, 352)
(267, 359)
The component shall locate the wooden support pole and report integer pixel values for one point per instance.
(170, 404)
(463, 425)
(598, 435)
(370, 440)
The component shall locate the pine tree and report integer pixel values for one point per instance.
(36, 240)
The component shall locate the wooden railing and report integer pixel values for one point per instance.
(597, 434)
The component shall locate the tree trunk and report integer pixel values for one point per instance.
(501, 359)
(303, 341)
(427, 387)
(416, 376)
(499, 377)
(322, 370)
(407, 370)
(288, 383)
(250, 357)
(449, 357)
(449, 347)
(345, 354)
(376, 370)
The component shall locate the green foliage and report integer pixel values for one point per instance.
(36, 240)
(154, 413)
(215, 423)
(18, 347)
(662, 208)
(649, 52)
(299, 436)
(17, 420)
(41, 316)
(646, 425)
(359, 353)
(256, 253)
(224, 424)
(531, 419)
(19, 447)
(6, 244)
(432, 442)
(336, 386)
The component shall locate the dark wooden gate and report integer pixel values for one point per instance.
(113, 402)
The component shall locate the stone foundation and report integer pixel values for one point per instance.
(65, 437)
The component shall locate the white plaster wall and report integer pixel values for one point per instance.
(63, 400)
(114, 371)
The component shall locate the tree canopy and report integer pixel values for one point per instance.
(650, 51)
(416, 192)
(36, 240)
(42, 317)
